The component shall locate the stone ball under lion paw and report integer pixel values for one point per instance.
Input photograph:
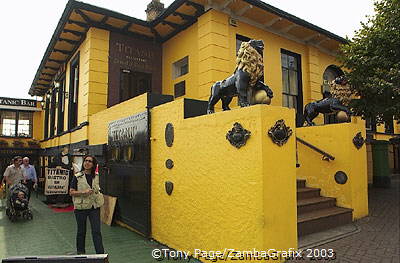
(342, 116)
(260, 97)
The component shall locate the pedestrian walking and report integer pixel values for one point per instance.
(87, 199)
(13, 175)
(30, 173)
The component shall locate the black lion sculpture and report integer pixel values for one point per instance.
(247, 78)
(336, 101)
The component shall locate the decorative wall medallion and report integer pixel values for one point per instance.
(169, 187)
(238, 135)
(358, 140)
(169, 134)
(280, 133)
(169, 163)
(340, 177)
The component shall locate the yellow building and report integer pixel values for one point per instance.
(103, 71)
(20, 130)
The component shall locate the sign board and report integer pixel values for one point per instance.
(57, 180)
(17, 102)
(127, 131)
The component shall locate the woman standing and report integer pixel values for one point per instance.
(87, 199)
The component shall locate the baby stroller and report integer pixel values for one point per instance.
(19, 205)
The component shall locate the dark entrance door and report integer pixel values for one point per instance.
(129, 175)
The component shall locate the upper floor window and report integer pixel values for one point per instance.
(292, 96)
(133, 84)
(180, 67)
(330, 74)
(239, 40)
(16, 123)
(73, 93)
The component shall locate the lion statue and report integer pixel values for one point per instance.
(337, 100)
(246, 80)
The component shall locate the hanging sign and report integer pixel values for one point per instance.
(57, 180)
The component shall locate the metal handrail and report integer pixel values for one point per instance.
(325, 156)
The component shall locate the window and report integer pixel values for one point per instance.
(8, 123)
(46, 118)
(292, 96)
(25, 122)
(239, 40)
(16, 124)
(73, 91)
(180, 68)
(53, 112)
(61, 107)
(179, 89)
(133, 84)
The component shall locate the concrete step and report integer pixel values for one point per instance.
(307, 192)
(301, 183)
(315, 203)
(319, 220)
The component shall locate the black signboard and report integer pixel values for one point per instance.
(127, 130)
(17, 102)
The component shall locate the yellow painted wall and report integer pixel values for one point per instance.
(98, 128)
(215, 42)
(337, 140)
(93, 84)
(223, 197)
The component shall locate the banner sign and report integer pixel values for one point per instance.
(128, 131)
(57, 180)
(17, 102)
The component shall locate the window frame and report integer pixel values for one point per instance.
(299, 96)
(17, 114)
(61, 105)
(74, 93)
(130, 74)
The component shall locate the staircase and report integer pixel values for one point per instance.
(316, 213)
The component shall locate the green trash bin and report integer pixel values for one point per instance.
(380, 158)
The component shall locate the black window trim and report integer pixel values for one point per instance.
(73, 111)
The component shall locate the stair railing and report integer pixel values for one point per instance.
(325, 156)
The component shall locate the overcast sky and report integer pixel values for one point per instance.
(27, 27)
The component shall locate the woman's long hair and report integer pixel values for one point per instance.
(93, 171)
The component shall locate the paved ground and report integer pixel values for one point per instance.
(51, 233)
(378, 239)
(54, 234)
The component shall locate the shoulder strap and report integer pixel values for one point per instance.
(78, 174)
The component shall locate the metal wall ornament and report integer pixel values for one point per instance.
(169, 164)
(341, 177)
(358, 140)
(169, 134)
(238, 135)
(169, 187)
(280, 133)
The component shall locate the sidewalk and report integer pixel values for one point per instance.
(51, 233)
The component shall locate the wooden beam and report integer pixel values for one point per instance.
(158, 36)
(47, 74)
(273, 21)
(42, 79)
(56, 61)
(52, 68)
(199, 8)
(81, 24)
(65, 52)
(309, 38)
(225, 4)
(183, 16)
(84, 16)
(69, 41)
(244, 10)
(173, 25)
(74, 32)
(322, 41)
(103, 21)
(288, 28)
(127, 26)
